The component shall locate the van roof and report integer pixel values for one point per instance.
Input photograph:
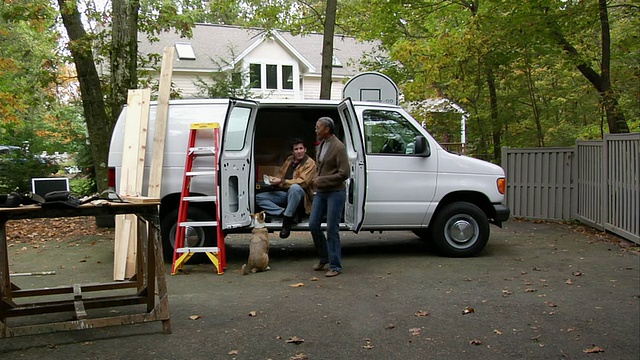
(273, 102)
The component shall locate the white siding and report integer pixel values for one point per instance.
(312, 88)
(184, 83)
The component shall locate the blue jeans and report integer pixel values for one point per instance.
(329, 249)
(281, 202)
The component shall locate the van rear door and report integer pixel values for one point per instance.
(357, 183)
(235, 164)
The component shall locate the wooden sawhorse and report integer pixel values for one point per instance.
(149, 270)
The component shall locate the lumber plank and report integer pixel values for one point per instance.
(131, 176)
(160, 130)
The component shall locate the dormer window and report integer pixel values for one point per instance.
(271, 76)
(335, 62)
(185, 51)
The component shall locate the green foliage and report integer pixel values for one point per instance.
(451, 48)
(82, 186)
(18, 166)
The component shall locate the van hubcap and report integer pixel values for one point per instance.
(193, 237)
(461, 231)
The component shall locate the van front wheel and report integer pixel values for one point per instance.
(194, 237)
(460, 229)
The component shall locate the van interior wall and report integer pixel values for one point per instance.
(275, 128)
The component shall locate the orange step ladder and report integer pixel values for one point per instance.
(182, 254)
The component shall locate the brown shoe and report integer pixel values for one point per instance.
(319, 266)
(332, 273)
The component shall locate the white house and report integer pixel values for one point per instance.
(280, 65)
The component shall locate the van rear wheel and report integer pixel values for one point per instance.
(194, 236)
(460, 229)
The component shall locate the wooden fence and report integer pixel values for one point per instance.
(595, 182)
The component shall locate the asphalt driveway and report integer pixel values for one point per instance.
(538, 291)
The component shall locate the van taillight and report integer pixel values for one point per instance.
(502, 185)
(111, 177)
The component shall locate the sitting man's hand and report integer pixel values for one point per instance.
(276, 181)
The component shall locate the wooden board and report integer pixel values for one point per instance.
(141, 199)
(162, 114)
(131, 175)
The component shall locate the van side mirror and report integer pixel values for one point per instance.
(421, 147)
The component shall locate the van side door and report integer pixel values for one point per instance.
(357, 183)
(235, 164)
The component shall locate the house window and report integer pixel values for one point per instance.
(255, 76)
(272, 76)
(287, 77)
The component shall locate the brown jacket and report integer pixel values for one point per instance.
(334, 168)
(302, 175)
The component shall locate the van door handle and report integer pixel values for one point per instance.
(350, 198)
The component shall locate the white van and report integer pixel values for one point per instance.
(401, 178)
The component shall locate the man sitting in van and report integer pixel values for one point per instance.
(292, 185)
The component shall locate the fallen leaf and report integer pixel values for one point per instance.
(577, 273)
(593, 350)
(367, 346)
(83, 260)
(468, 310)
(194, 317)
(475, 342)
(296, 340)
(530, 290)
(299, 356)
(536, 338)
(300, 284)
(497, 332)
(506, 293)
(390, 326)
(550, 304)
(415, 331)
(422, 313)
(252, 313)
(233, 352)
(314, 279)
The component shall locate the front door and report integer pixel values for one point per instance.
(235, 164)
(357, 182)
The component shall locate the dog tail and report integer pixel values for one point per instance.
(245, 270)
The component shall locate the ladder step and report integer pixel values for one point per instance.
(199, 223)
(198, 250)
(200, 173)
(202, 151)
(210, 198)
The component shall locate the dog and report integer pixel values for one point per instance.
(259, 246)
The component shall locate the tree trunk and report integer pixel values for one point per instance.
(496, 127)
(534, 104)
(601, 82)
(124, 54)
(90, 90)
(327, 49)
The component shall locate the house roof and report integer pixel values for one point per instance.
(215, 41)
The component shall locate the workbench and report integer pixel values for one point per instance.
(149, 272)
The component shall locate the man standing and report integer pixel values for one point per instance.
(293, 183)
(333, 170)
